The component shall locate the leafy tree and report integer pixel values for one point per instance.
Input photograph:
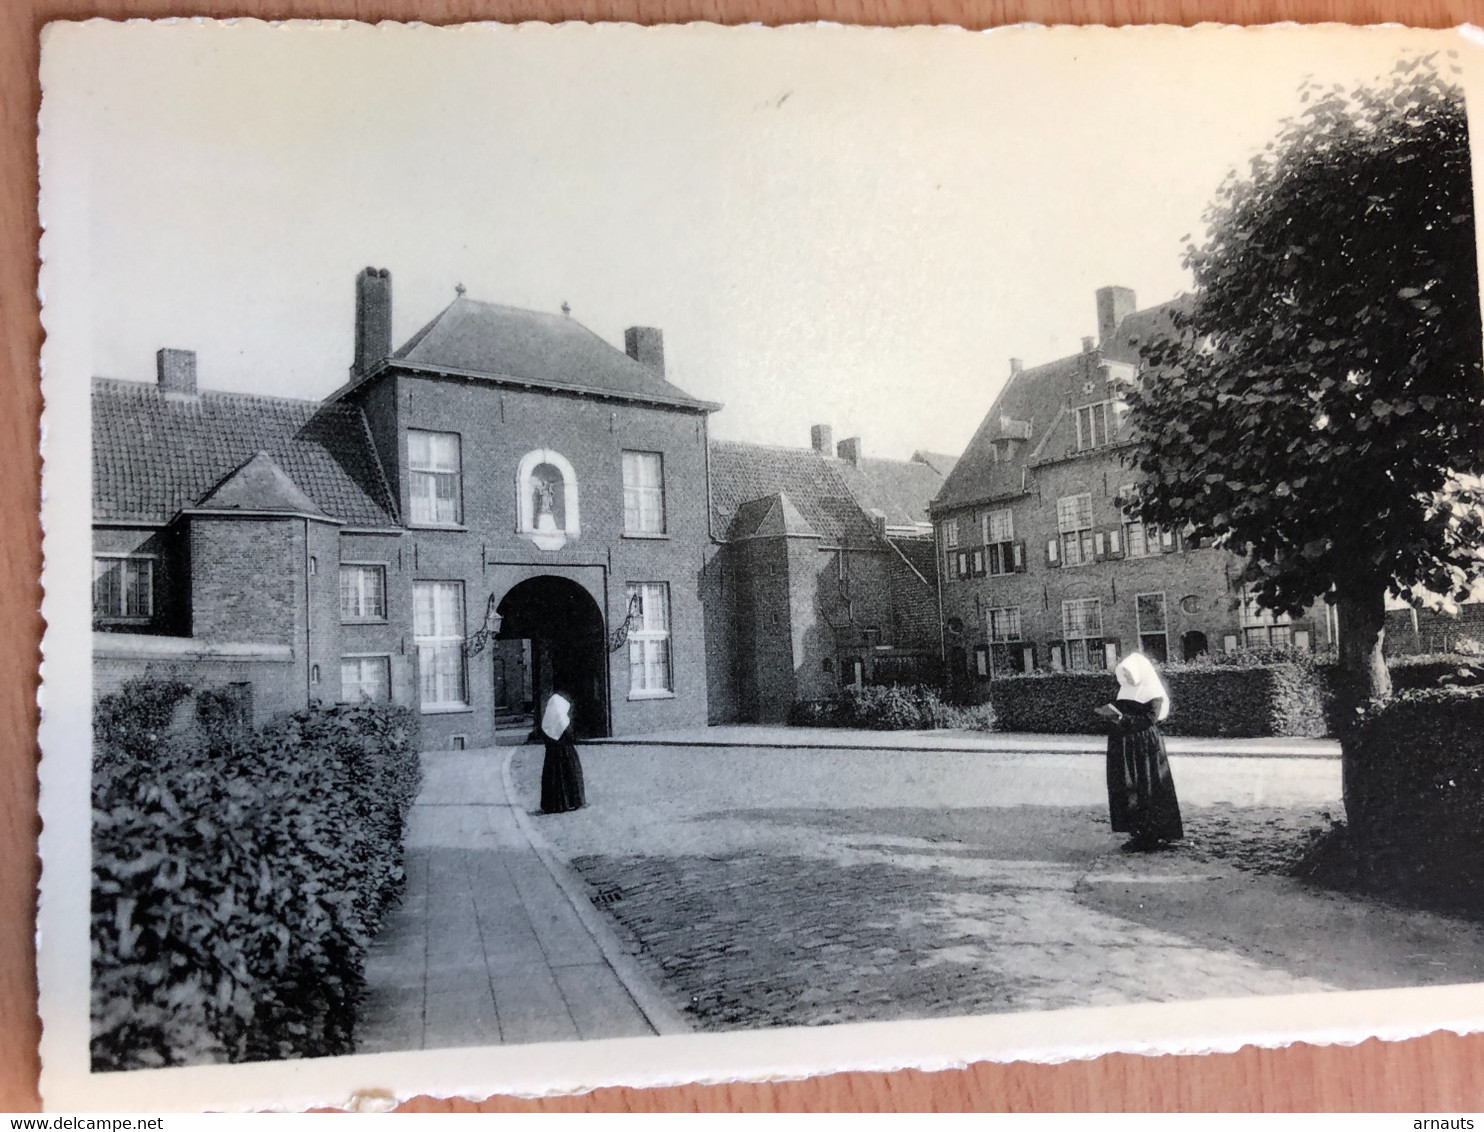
(1318, 403)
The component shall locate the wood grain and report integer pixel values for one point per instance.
(1440, 1073)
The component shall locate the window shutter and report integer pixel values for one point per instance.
(1100, 545)
(1053, 553)
(1110, 655)
(1017, 556)
(1028, 655)
(1058, 654)
(1115, 543)
(1167, 541)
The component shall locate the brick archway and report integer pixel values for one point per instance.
(565, 628)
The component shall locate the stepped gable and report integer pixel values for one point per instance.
(553, 351)
(157, 453)
(1034, 409)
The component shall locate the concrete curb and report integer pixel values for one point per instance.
(1094, 746)
(665, 1019)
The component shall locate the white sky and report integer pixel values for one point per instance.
(849, 226)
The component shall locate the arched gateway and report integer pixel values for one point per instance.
(553, 629)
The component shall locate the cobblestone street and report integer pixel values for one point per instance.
(805, 887)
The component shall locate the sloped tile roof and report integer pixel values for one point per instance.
(899, 489)
(1042, 397)
(260, 485)
(154, 454)
(770, 517)
(741, 473)
(551, 350)
(940, 462)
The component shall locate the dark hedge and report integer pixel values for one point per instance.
(239, 875)
(1414, 769)
(1228, 699)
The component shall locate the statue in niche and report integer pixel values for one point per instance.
(549, 499)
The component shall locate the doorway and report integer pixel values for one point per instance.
(551, 640)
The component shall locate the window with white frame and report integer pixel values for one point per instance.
(434, 488)
(1006, 651)
(1153, 626)
(362, 592)
(649, 640)
(643, 493)
(438, 629)
(365, 678)
(950, 532)
(1082, 625)
(1074, 521)
(123, 588)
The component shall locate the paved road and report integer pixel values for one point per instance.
(768, 886)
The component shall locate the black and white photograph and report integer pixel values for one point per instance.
(587, 554)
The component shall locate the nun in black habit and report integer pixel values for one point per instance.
(1141, 791)
(561, 772)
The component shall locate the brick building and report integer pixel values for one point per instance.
(504, 505)
(1041, 567)
(826, 577)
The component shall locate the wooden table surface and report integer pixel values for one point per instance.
(1437, 1074)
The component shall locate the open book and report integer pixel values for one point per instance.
(1108, 712)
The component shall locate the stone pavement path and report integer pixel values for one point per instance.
(766, 887)
(488, 946)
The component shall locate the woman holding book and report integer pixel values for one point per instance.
(1141, 793)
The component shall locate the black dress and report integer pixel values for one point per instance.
(1141, 793)
(561, 776)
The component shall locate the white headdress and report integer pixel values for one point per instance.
(558, 717)
(1138, 681)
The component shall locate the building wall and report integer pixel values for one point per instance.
(1199, 585)
(391, 637)
(1412, 631)
(762, 634)
(497, 427)
(171, 608)
(914, 607)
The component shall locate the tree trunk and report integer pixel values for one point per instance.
(1361, 614)
(1361, 611)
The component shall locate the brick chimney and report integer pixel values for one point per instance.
(373, 319)
(849, 450)
(822, 437)
(1114, 305)
(1016, 365)
(646, 345)
(1089, 344)
(176, 370)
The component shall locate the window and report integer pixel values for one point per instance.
(950, 533)
(123, 588)
(1262, 628)
(999, 525)
(1082, 625)
(1074, 521)
(643, 493)
(649, 640)
(365, 678)
(438, 628)
(433, 461)
(1003, 624)
(1099, 423)
(1153, 639)
(362, 593)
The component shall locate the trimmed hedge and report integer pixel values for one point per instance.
(1241, 698)
(891, 707)
(1435, 670)
(239, 875)
(1414, 769)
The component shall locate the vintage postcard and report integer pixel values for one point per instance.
(584, 555)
